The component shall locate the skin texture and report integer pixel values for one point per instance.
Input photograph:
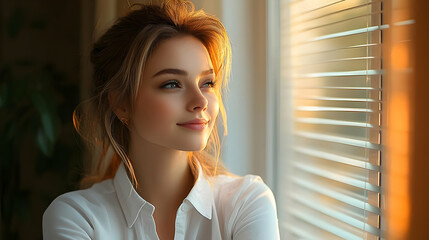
(158, 146)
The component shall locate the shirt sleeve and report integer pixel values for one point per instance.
(64, 219)
(257, 215)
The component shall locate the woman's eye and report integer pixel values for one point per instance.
(171, 84)
(209, 84)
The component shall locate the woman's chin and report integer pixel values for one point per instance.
(193, 147)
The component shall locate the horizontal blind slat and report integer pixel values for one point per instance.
(333, 109)
(338, 88)
(337, 99)
(316, 187)
(334, 60)
(317, 8)
(297, 231)
(336, 214)
(341, 11)
(337, 177)
(336, 139)
(351, 32)
(367, 45)
(337, 158)
(325, 225)
(298, 31)
(341, 74)
(333, 122)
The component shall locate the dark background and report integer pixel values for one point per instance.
(40, 75)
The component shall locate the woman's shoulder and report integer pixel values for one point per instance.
(89, 196)
(78, 209)
(238, 190)
(247, 206)
(239, 184)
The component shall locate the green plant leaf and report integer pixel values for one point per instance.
(50, 121)
(43, 143)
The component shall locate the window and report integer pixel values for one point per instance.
(330, 119)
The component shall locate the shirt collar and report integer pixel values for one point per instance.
(200, 196)
(130, 201)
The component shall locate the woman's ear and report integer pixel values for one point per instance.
(119, 108)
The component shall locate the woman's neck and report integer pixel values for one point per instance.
(163, 175)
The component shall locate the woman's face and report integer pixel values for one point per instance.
(176, 104)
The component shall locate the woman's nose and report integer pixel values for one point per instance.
(197, 102)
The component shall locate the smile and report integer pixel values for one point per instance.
(194, 126)
(197, 124)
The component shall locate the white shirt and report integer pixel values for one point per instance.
(227, 208)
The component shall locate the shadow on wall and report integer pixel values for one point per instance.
(39, 89)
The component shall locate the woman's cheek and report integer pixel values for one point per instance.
(162, 110)
(214, 105)
(155, 112)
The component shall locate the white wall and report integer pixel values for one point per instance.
(244, 150)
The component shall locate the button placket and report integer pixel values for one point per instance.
(148, 221)
(180, 224)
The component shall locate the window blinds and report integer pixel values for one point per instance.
(331, 70)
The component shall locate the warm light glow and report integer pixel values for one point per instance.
(398, 207)
(400, 56)
(398, 127)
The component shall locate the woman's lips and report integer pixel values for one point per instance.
(195, 124)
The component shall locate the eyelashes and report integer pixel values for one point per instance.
(211, 84)
(171, 84)
(176, 84)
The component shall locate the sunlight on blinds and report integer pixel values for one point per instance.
(331, 71)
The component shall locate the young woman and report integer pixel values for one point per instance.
(159, 74)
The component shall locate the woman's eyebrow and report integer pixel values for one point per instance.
(206, 72)
(180, 72)
(171, 71)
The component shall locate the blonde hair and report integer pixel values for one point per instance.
(119, 57)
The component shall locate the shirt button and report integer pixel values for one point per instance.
(184, 208)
